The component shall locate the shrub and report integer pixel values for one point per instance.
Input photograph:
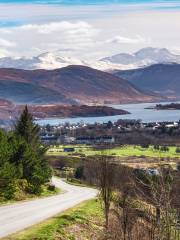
(164, 149)
(79, 172)
(9, 191)
(51, 187)
(156, 147)
(178, 150)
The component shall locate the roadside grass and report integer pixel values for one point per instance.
(124, 151)
(23, 196)
(76, 182)
(84, 221)
(48, 193)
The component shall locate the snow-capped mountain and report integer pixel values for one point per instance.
(50, 61)
(43, 61)
(144, 57)
(122, 61)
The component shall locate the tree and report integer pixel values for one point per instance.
(35, 167)
(158, 190)
(8, 171)
(27, 129)
(105, 175)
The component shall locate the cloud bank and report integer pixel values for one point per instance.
(87, 32)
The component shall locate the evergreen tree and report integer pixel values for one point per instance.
(8, 171)
(35, 167)
(22, 158)
(27, 129)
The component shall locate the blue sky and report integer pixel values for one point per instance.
(84, 2)
(87, 29)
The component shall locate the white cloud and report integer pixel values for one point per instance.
(87, 32)
(126, 40)
(4, 53)
(6, 43)
(63, 26)
(31, 39)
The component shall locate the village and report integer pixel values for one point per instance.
(109, 133)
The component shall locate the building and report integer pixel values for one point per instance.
(64, 139)
(49, 139)
(105, 139)
(69, 150)
(95, 140)
(85, 140)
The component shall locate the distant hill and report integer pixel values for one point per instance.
(160, 78)
(20, 92)
(60, 111)
(10, 111)
(78, 84)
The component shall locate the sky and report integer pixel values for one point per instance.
(87, 29)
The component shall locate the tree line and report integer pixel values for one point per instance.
(22, 163)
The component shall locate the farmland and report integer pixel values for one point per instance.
(118, 151)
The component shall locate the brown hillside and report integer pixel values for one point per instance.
(79, 83)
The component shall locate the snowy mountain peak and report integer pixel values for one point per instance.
(143, 57)
(46, 60)
(152, 51)
(156, 54)
(122, 61)
(55, 58)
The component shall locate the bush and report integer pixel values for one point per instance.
(164, 149)
(51, 187)
(178, 150)
(79, 172)
(22, 184)
(9, 191)
(35, 189)
(145, 145)
(156, 147)
(21, 189)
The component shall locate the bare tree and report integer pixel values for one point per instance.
(105, 175)
(157, 190)
(100, 171)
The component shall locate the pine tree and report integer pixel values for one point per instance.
(27, 129)
(8, 171)
(35, 168)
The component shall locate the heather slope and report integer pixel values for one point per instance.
(77, 83)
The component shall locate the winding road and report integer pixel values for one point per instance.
(18, 216)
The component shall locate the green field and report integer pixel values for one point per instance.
(124, 151)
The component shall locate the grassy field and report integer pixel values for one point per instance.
(82, 222)
(125, 151)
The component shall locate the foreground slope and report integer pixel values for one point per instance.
(76, 83)
(16, 217)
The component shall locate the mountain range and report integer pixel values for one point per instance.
(163, 79)
(122, 61)
(35, 81)
(69, 85)
(144, 57)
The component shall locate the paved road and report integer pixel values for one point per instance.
(16, 217)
